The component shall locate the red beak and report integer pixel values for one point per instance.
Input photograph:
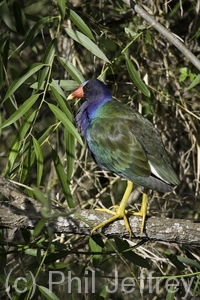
(76, 94)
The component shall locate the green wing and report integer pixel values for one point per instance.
(114, 147)
(124, 142)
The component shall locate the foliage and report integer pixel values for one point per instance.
(46, 50)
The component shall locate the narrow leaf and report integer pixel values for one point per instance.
(62, 8)
(47, 60)
(136, 259)
(66, 122)
(194, 83)
(6, 16)
(42, 199)
(66, 85)
(189, 261)
(23, 76)
(21, 111)
(32, 252)
(73, 71)
(171, 291)
(20, 19)
(70, 150)
(16, 149)
(40, 160)
(63, 178)
(39, 227)
(95, 248)
(26, 164)
(35, 30)
(4, 49)
(87, 43)
(47, 293)
(62, 102)
(56, 84)
(174, 259)
(136, 79)
(76, 19)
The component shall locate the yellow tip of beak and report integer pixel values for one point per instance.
(70, 97)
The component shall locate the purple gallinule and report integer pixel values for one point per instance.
(121, 140)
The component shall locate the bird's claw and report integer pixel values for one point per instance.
(118, 214)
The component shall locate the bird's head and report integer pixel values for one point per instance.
(93, 91)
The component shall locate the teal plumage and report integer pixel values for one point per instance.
(127, 144)
(123, 141)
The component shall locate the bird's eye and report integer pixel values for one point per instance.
(88, 87)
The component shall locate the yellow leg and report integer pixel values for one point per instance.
(143, 211)
(120, 211)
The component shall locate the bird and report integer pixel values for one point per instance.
(121, 140)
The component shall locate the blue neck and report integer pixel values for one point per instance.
(96, 94)
(86, 113)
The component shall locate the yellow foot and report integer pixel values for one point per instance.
(120, 211)
(118, 214)
(143, 212)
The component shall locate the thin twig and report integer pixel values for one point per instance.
(165, 32)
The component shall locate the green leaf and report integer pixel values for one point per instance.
(57, 86)
(66, 122)
(73, 71)
(42, 199)
(26, 164)
(76, 19)
(4, 52)
(32, 252)
(70, 151)
(98, 240)
(26, 235)
(62, 102)
(62, 8)
(40, 160)
(95, 248)
(174, 259)
(47, 60)
(171, 291)
(193, 84)
(127, 252)
(16, 149)
(189, 261)
(136, 259)
(87, 43)
(47, 293)
(39, 227)
(23, 76)
(136, 79)
(66, 85)
(185, 72)
(51, 258)
(63, 178)
(20, 19)
(148, 38)
(22, 110)
(6, 16)
(35, 31)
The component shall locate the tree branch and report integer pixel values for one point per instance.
(165, 32)
(21, 211)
